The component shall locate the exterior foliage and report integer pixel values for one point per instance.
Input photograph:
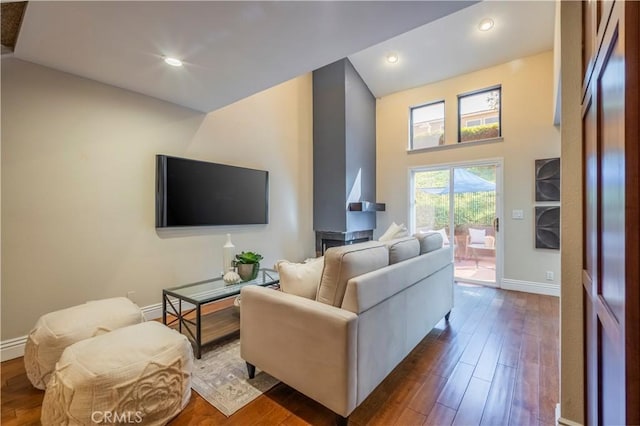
(471, 208)
(476, 133)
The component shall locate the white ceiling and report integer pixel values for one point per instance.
(453, 45)
(231, 49)
(234, 49)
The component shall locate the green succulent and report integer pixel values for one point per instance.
(247, 257)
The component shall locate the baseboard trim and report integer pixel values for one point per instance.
(152, 312)
(531, 287)
(14, 348)
(566, 422)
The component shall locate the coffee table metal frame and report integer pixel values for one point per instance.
(202, 293)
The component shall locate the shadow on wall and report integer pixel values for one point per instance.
(200, 231)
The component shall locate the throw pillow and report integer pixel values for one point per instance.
(394, 231)
(301, 279)
(477, 236)
(403, 232)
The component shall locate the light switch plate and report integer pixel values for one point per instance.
(517, 214)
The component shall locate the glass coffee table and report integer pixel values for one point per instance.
(188, 307)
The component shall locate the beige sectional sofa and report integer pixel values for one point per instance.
(374, 304)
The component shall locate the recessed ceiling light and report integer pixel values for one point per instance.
(173, 61)
(486, 24)
(392, 58)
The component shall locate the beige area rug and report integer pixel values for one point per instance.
(221, 378)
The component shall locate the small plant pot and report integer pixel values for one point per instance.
(248, 271)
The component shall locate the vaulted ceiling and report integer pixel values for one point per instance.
(232, 49)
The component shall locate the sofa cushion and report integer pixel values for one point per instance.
(445, 237)
(301, 279)
(402, 249)
(345, 262)
(429, 241)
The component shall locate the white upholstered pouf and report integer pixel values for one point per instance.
(138, 374)
(55, 331)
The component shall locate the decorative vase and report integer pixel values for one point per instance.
(228, 254)
(248, 271)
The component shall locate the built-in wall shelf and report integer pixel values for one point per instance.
(367, 206)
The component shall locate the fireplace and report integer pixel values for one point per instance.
(344, 157)
(325, 240)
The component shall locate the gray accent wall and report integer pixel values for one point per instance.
(344, 148)
(360, 147)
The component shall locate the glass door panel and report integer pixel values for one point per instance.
(461, 203)
(432, 202)
(474, 214)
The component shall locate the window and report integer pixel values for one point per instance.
(427, 125)
(476, 108)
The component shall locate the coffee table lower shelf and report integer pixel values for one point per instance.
(217, 322)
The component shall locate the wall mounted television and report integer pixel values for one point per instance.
(199, 193)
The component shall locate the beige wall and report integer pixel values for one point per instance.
(528, 132)
(571, 313)
(78, 175)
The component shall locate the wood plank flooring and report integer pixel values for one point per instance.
(494, 363)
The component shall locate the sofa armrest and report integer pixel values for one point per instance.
(308, 345)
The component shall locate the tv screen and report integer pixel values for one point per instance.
(199, 193)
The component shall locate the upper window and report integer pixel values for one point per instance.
(476, 108)
(427, 125)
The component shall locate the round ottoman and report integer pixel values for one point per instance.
(137, 374)
(55, 331)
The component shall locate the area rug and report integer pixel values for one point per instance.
(221, 378)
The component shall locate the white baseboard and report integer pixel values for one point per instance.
(152, 312)
(566, 422)
(14, 348)
(561, 421)
(531, 287)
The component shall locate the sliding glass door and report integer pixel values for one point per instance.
(462, 203)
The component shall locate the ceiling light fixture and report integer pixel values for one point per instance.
(486, 24)
(173, 61)
(392, 58)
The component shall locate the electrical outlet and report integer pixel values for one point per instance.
(549, 275)
(131, 295)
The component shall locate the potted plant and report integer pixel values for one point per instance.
(248, 264)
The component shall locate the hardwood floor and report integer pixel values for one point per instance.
(494, 363)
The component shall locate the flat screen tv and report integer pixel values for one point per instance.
(199, 193)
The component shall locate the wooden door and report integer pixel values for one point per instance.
(611, 196)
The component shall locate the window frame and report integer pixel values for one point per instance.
(444, 113)
(497, 87)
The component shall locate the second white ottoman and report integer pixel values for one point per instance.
(137, 374)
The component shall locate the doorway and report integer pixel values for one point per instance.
(462, 201)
